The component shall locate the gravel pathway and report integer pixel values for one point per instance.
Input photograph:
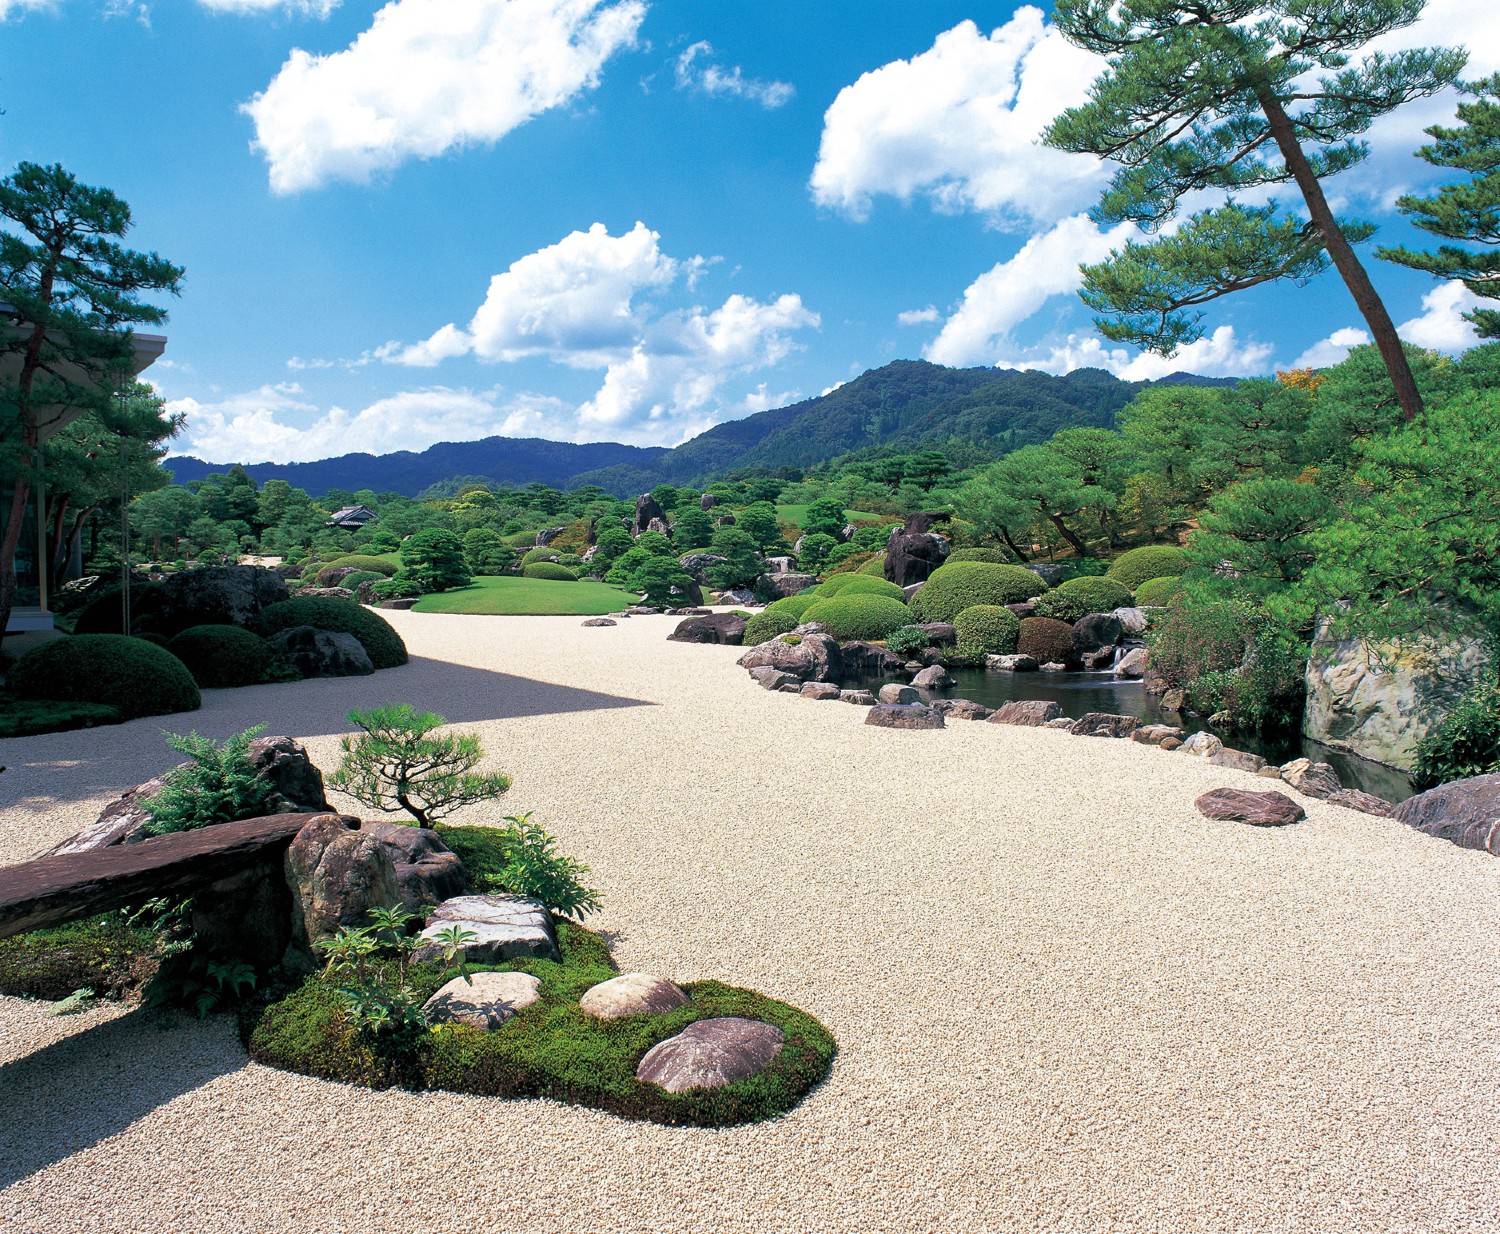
(1064, 1000)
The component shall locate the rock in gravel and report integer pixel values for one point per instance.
(506, 927)
(1062, 722)
(862, 698)
(337, 874)
(963, 709)
(1011, 664)
(904, 715)
(1104, 724)
(631, 994)
(1028, 713)
(1365, 803)
(1467, 812)
(1172, 743)
(1310, 778)
(1240, 760)
(485, 1000)
(790, 687)
(895, 692)
(322, 653)
(1270, 772)
(772, 678)
(811, 657)
(1239, 805)
(934, 678)
(427, 870)
(711, 1054)
(1155, 734)
(819, 690)
(724, 629)
(601, 621)
(1202, 745)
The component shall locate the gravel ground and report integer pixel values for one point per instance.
(1064, 1000)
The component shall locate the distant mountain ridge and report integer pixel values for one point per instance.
(904, 404)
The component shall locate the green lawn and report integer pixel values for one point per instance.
(797, 515)
(515, 596)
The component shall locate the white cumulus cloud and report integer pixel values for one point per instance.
(1220, 354)
(918, 317)
(960, 123)
(19, 8)
(429, 76)
(1441, 325)
(1329, 351)
(697, 70)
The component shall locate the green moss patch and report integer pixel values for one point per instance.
(104, 954)
(22, 717)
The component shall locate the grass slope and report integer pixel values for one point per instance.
(512, 596)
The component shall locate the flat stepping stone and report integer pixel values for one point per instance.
(506, 927)
(485, 1001)
(1241, 805)
(711, 1054)
(632, 994)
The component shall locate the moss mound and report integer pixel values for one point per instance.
(963, 584)
(220, 656)
(543, 552)
(102, 954)
(133, 676)
(24, 717)
(549, 570)
(1151, 561)
(993, 556)
(795, 605)
(860, 585)
(380, 641)
(987, 629)
(1046, 639)
(766, 625)
(875, 566)
(1158, 592)
(860, 616)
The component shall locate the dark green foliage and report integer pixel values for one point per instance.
(758, 521)
(1097, 594)
(353, 581)
(662, 581)
(104, 611)
(1261, 532)
(742, 563)
(824, 517)
(435, 559)
(1151, 561)
(360, 561)
(1191, 640)
(906, 640)
(105, 953)
(1466, 743)
(860, 616)
(133, 676)
(859, 585)
(24, 717)
(1045, 639)
(994, 556)
(953, 588)
(691, 528)
(487, 552)
(766, 625)
(1060, 606)
(987, 629)
(534, 868)
(814, 549)
(1158, 592)
(219, 784)
(543, 552)
(549, 570)
(798, 604)
(875, 566)
(1267, 692)
(220, 656)
(380, 641)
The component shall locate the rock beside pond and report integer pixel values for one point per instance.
(1062, 722)
(939, 633)
(1240, 805)
(1104, 724)
(1133, 620)
(1170, 743)
(811, 657)
(1132, 665)
(1155, 734)
(1310, 778)
(632, 994)
(1202, 745)
(862, 698)
(1011, 664)
(1465, 812)
(772, 678)
(1027, 713)
(724, 629)
(505, 927)
(819, 690)
(962, 709)
(1096, 632)
(322, 653)
(1054, 666)
(904, 715)
(711, 1054)
(1365, 803)
(1240, 760)
(895, 692)
(934, 678)
(868, 660)
(485, 1000)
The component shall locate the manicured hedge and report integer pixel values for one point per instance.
(101, 615)
(549, 570)
(987, 629)
(963, 584)
(135, 677)
(380, 641)
(860, 584)
(360, 561)
(875, 566)
(993, 556)
(220, 656)
(1152, 561)
(542, 552)
(860, 616)
(1048, 640)
(766, 625)
(25, 717)
(1158, 592)
(795, 605)
(1088, 594)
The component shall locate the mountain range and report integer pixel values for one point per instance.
(904, 404)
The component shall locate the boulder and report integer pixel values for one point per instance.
(815, 657)
(545, 537)
(962, 709)
(326, 593)
(741, 596)
(711, 1054)
(895, 692)
(1202, 745)
(1053, 666)
(1466, 812)
(1310, 778)
(1050, 574)
(770, 678)
(1027, 713)
(600, 621)
(939, 633)
(914, 550)
(1023, 608)
(910, 590)
(642, 610)
(724, 629)
(216, 595)
(819, 690)
(1155, 734)
(483, 1000)
(707, 502)
(1062, 722)
(1104, 724)
(1094, 633)
(1241, 805)
(660, 526)
(1170, 743)
(781, 565)
(786, 583)
(1239, 760)
(904, 715)
(1365, 803)
(427, 870)
(699, 564)
(1173, 700)
(1132, 665)
(505, 927)
(725, 520)
(933, 678)
(401, 604)
(1011, 664)
(791, 687)
(631, 994)
(337, 872)
(646, 511)
(1132, 620)
(322, 653)
(861, 698)
(868, 660)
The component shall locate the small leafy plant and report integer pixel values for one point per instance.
(399, 765)
(219, 785)
(534, 868)
(185, 976)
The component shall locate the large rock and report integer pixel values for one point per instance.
(769, 678)
(814, 657)
(1011, 664)
(868, 660)
(1467, 812)
(1378, 700)
(1241, 805)
(1133, 620)
(505, 927)
(726, 629)
(427, 870)
(860, 698)
(322, 653)
(596, 622)
(699, 564)
(483, 1000)
(934, 678)
(786, 583)
(1050, 574)
(819, 691)
(1238, 760)
(337, 873)
(646, 512)
(904, 715)
(1202, 745)
(914, 550)
(939, 633)
(895, 692)
(1310, 778)
(1155, 734)
(216, 595)
(1365, 803)
(326, 593)
(1094, 633)
(711, 1054)
(631, 994)
(781, 565)
(962, 709)
(707, 502)
(1103, 724)
(1027, 713)
(1132, 665)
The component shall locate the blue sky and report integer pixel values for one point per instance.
(617, 219)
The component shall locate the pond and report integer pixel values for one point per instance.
(1077, 693)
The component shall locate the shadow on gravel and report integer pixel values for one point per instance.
(104, 761)
(72, 1094)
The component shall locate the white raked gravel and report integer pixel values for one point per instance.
(1064, 1000)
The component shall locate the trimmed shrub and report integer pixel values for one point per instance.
(353, 581)
(835, 583)
(862, 585)
(1158, 592)
(1466, 743)
(993, 556)
(380, 641)
(549, 570)
(876, 566)
(1151, 561)
(220, 656)
(953, 588)
(362, 561)
(795, 605)
(102, 614)
(907, 640)
(987, 629)
(860, 616)
(1059, 606)
(1046, 639)
(1190, 643)
(1071, 600)
(765, 626)
(544, 552)
(135, 677)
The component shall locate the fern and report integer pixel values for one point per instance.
(219, 785)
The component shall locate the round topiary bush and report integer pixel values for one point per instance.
(1152, 561)
(353, 581)
(795, 605)
(222, 656)
(1071, 600)
(540, 553)
(993, 556)
(860, 584)
(987, 629)
(1158, 592)
(380, 641)
(875, 566)
(860, 616)
(549, 570)
(362, 561)
(953, 588)
(766, 625)
(1047, 640)
(135, 677)
(102, 614)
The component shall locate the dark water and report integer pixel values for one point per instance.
(1077, 693)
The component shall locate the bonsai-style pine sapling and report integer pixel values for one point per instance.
(397, 764)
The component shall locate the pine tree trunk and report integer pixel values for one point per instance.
(1079, 546)
(8, 546)
(1012, 545)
